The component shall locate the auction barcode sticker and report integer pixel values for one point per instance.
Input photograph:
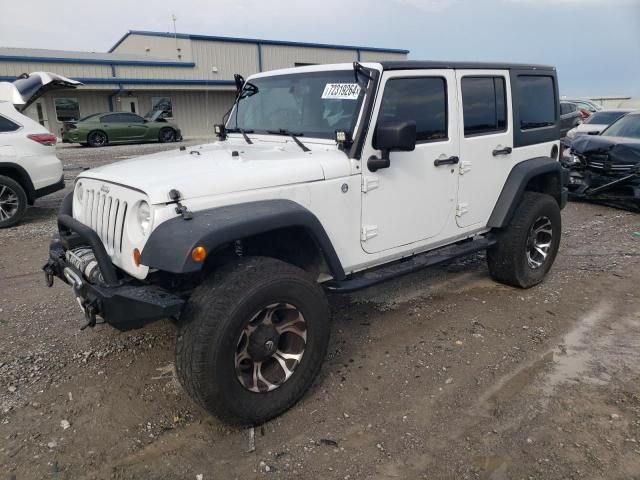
(341, 91)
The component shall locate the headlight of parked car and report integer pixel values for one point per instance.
(144, 217)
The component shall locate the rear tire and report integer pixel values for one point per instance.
(13, 202)
(216, 358)
(527, 247)
(167, 135)
(97, 138)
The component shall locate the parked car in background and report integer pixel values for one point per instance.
(101, 129)
(588, 105)
(569, 117)
(597, 122)
(605, 168)
(29, 168)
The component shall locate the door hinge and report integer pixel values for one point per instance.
(461, 209)
(465, 166)
(369, 183)
(368, 231)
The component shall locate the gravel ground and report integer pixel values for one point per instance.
(442, 374)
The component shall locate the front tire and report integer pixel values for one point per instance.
(167, 135)
(252, 339)
(13, 202)
(527, 247)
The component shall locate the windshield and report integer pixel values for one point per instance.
(604, 118)
(627, 126)
(314, 104)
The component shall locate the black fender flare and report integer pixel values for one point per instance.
(23, 179)
(169, 246)
(516, 184)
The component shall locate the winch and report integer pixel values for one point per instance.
(84, 260)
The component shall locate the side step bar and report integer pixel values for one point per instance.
(408, 265)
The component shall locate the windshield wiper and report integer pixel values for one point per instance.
(282, 131)
(243, 132)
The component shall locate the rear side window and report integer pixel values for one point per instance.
(537, 101)
(423, 100)
(484, 105)
(7, 125)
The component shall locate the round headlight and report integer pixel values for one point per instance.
(79, 191)
(144, 217)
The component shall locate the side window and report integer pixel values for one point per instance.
(564, 108)
(484, 105)
(423, 100)
(131, 118)
(7, 125)
(537, 101)
(115, 118)
(67, 109)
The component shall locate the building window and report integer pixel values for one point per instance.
(422, 100)
(537, 101)
(162, 104)
(484, 105)
(67, 109)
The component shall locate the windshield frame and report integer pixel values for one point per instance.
(357, 119)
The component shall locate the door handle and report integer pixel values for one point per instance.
(446, 161)
(502, 151)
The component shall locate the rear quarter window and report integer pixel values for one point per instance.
(536, 101)
(7, 125)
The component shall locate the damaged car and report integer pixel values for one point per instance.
(605, 168)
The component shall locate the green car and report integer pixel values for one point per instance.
(100, 129)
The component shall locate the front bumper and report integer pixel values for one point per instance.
(121, 301)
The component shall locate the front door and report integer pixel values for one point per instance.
(414, 198)
(486, 142)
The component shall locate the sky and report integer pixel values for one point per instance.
(594, 44)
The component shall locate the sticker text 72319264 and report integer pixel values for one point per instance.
(341, 91)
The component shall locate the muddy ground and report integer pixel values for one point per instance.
(443, 374)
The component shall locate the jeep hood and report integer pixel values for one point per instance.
(224, 167)
(27, 88)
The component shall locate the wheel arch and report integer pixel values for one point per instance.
(280, 229)
(540, 174)
(20, 175)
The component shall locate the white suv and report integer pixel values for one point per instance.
(324, 178)
(29, 168)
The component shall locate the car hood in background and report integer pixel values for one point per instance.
(617, 149)
(27, 88)
(213, 169)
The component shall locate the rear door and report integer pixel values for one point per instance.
(486, 142)
(137, 127)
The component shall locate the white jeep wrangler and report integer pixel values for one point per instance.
(324, 178)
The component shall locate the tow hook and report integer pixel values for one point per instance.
(48, 275)
(90, 313)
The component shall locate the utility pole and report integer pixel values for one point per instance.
(175, 36)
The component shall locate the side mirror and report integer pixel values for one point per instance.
(396, 136)
(239, 80)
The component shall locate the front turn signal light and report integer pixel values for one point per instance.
(198, 254)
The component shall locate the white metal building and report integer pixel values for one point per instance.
(191, 76)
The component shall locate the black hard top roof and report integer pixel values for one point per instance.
(434, 64)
